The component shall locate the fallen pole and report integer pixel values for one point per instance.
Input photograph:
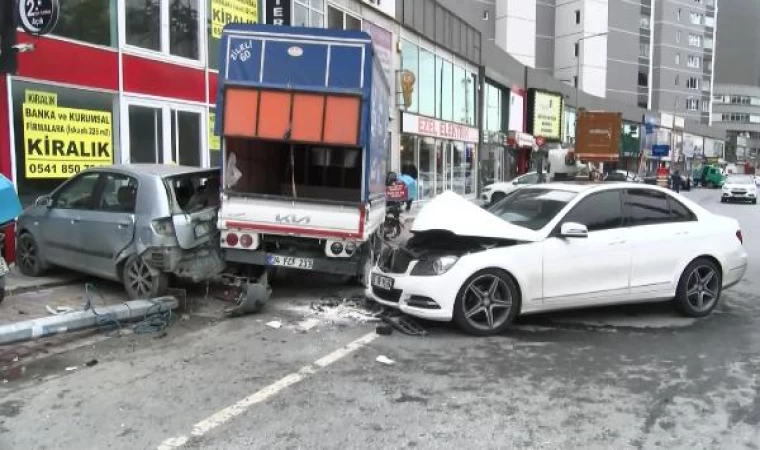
(79, 320)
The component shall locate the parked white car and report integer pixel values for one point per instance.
(558, 246)
(497, 191)
(739, 188)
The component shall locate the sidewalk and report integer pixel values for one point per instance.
(18, 283)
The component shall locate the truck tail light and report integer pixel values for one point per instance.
(739, 236)
(232, 239)
(246, 240)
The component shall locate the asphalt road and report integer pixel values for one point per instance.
(632, 377)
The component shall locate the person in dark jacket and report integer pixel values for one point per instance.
(675, 181)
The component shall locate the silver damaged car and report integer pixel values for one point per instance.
(137, 224)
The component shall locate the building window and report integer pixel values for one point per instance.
(171, 27)
(678, 37)
(697, 18)
(493, 108)
(341, 20)
(695, 40)
(576, 49)
(425, 83)
(679, 14)
(309, 13)
(643, 79)
(708, 43)
(692, 83)
(692, 104)
(643, 50)
(575, 81)
(678, 79)
(88, 21)
(410, 62)
(644, 22)
(678, 59)
(38, 173)
(706, 106)
(695, 62)
(577, 16)
(444, 88)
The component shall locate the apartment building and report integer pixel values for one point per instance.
(655, 54)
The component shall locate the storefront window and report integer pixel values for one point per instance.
(92, 21)
(458, 168)
(168, 26)
(493, 108)
(426, 84)
(441, 148)
(469, 168)
(186, 143)
(146, 130)
(470, 97)
(408, 150)
(58, 133)
(443, 89)
(460, 95)
(309, 13)
(410, 61)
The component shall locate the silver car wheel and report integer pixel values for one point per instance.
(140, 278)
(28, 255)
(487, 302)
(702, 288)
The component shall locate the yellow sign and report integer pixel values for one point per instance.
(60, 142)
(214, 143)
(232, 11)
(547, 115)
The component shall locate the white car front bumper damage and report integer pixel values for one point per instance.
(429, 297)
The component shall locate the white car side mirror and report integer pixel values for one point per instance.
(573, 230)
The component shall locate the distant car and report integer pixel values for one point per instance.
(623, 176)
(134, 223)
(739, 188)
(558, 246)
(497, 191)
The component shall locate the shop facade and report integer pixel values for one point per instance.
(444, 153)
(496, 162)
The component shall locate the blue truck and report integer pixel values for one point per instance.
(303, 116)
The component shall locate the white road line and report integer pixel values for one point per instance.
(232, 411)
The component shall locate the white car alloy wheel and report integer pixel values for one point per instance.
(699, 288)
(487, 303)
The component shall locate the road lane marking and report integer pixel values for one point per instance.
(225, 415)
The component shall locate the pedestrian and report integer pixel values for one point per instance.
(676, 181)
(411, 186)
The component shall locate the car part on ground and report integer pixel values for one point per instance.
(250, 295)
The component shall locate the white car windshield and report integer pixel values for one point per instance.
(740, 179)
(531, 208)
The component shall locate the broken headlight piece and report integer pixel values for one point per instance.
(428, 267)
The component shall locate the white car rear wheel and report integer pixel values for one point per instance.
(488, 303)
(699, 288)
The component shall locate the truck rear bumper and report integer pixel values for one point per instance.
(324, 265)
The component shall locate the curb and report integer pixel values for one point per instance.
(18, 290)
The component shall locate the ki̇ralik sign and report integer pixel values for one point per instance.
(38, 17)
(232, 11)
(60, 142)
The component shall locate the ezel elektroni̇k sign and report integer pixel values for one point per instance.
(60, 142)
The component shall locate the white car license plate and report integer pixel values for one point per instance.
(202, 229)
(382, 282)
(290, 261)
(3, 266)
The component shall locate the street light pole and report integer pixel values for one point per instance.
(578, 78)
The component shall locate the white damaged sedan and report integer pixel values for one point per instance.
(559, 246)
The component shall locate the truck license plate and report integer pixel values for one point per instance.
(3, 266)
(382, 282)
(290, 261)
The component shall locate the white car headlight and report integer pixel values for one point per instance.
(428, 267)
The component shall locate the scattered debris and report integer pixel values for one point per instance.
(250, 296)
(72, 368)
(276, 324)
(22, 312)
(59, 310)
(382, 359)
(342, 310)
(91, 362)
(384, 330)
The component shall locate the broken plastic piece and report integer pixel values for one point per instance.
(384, 330)
(276, 324)
(405, 324)
(382, 359)
(71, 368)
(252, 297)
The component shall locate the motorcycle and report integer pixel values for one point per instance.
(395, 197)
(10, 208)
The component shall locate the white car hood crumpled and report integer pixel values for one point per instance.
(451, 212)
